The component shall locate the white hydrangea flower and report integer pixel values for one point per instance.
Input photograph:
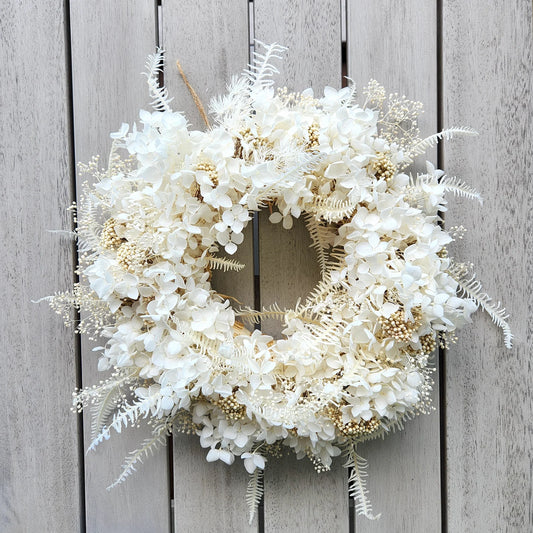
(353, 360)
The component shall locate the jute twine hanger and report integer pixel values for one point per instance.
(195, 97)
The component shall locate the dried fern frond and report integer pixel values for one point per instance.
(128, 415)
(350, 100)
(470, 287)
(357, 484)
(254, 492)
(328, 331)
(203, 344)
(323, 290)
(148, 447)
(337, 259)
(459, 188)
(104, 406)
(114, 161)
(332, 210)
(321, 236)
(254, 317)
(233, 104)
(261, 70)
(88, 230)
(224, 264)
(159, 95)
(447, 134)
(450, 184)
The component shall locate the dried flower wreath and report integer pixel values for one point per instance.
(354, 361)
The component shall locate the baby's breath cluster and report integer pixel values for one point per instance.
(353, 361)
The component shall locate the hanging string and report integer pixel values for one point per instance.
(195, 97)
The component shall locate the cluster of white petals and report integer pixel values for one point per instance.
(354, 359)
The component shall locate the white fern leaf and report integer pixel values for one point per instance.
(159, 95)
(114, 159)
(261, 70)
(350, 99)
(254, 492)
(104, 406)
(254, 317)
(322, 238)
(332, 210)
(459, 188)
(447, 134)
(322, 290)
(148, 447)
(203, 344)
(88, 236)
(128, 415)
(224, 264)
(232, 104)
(472, 288)
(357, 485)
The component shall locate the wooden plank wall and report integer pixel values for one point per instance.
(312, 32)
(39, 436)
(395, 44)
(110, 42)
(72, 71)
(487, 84)
(206, 489)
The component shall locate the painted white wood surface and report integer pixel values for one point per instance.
(39, 476)
(110, 43)
(297, 499)
(395, 43)
(488, 80)
(211, 42)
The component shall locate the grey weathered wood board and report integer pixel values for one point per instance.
(395, 43)
(39, 467)
(296, 497)
(487, 83)
(216, 492)
(486, 75)
(110, 44)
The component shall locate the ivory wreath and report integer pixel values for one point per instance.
(355, 358)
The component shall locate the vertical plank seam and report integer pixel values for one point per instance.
(344, 45)
(255, 250)
(158, 17)
(441, 351)
(345, 48)
(344, 6)
(255, 217)
(75, 276)
(256, 262)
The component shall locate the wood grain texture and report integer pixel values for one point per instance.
(296, 497)
(39, 468)
(208, 497)
(211, 41)
(110, 44)
(487, 84)
(488, 72)
(395, 43)
(288, 267)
